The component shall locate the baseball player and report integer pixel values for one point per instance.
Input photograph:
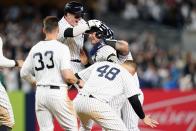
(114, 51)
(49, 61)
(72, 26)
(6, 113)
(93, 100)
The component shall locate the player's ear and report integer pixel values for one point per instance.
(57, 30)
(99, 34)
(43, 30)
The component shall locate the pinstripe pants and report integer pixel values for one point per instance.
(6, 112)
(129, 116)
(124, 109)
(55, 103)
(91, 108)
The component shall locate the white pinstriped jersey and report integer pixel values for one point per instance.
(45, 60)
(100, 52)
(114, 79)
(128, 114)
(75, 44)
(3, 97)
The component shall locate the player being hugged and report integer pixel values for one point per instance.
(105, 48)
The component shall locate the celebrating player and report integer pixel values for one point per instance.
(116, 51)
(6, 113)
(93, 100)
(49, 60)
(72, 26)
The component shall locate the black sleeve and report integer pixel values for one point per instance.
(77, 76)
(134, 101)
(87, 65)
(68, 32)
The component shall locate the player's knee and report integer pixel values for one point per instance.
(6, 117)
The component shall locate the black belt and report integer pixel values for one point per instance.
(51, 86)
(76, 60)
(91, 96)
(54, 87)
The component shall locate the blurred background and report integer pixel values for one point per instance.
(162, 40)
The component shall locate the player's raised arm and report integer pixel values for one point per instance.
(121, 46)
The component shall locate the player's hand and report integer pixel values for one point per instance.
(19, 63)
(83, 57)
(94, 23)
(150, 122)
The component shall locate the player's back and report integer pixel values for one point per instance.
(46, 59)
(106, 80)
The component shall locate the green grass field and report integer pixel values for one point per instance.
(18, 103)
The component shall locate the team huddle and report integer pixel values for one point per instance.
(108, 87)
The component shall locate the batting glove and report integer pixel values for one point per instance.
(108, 32)
(94, 23)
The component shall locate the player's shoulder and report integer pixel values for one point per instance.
(107, 47)
(61, 46)
(108, 63)
(63, 23)
(82, 21)
(107, 50)
(37, 45)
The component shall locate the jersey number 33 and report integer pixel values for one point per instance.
(43, 60)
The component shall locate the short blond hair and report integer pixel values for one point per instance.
(131, 63)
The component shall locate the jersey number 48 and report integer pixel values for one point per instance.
(108, 72)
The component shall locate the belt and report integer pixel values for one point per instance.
(76, 60)
(91, 96)
(51, 86)
(54, 87)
